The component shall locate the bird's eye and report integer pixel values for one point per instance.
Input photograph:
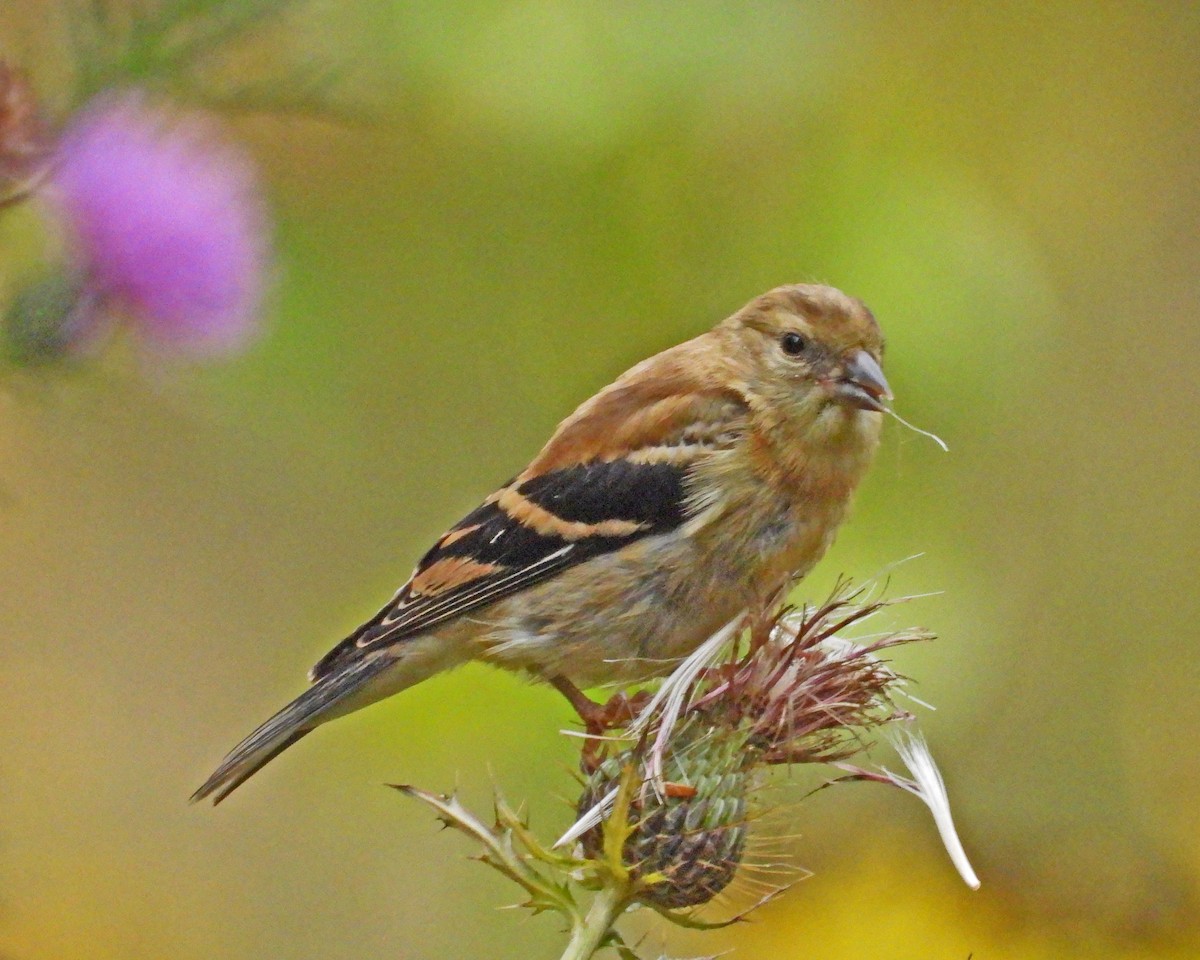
(792, 343)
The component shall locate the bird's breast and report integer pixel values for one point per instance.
(775, 504)
(634, 612)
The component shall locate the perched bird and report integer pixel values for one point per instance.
(691, 489)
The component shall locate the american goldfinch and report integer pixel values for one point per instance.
(689, 491)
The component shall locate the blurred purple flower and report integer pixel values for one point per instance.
(167, 222)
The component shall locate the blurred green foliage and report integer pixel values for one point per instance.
(547, 192)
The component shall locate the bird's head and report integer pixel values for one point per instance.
(812, 354)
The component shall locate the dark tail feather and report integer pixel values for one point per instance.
(240, 776)
(298, 718)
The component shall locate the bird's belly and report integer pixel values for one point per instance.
(616, 618)
(634, 614)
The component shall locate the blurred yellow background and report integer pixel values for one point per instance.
(547, 192)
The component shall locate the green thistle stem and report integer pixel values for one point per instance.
(589, 934)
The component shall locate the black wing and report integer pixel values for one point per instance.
(523, 534)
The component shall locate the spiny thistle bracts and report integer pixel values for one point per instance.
(671, 792)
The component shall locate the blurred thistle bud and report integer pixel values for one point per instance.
(165, 222)
(48, 319)
(25, 141)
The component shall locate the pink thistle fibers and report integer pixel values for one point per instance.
(166, 221)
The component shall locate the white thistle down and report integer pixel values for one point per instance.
(929, 787)
(592, 817)
(669, 700)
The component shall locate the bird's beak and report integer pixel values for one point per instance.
(863, 384)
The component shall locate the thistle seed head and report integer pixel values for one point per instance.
(684, 845)
(797, 693)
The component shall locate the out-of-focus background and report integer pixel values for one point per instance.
(544, 193)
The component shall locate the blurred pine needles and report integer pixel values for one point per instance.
(155, 218)
(181, 46)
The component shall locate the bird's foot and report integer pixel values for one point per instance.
(600, 719)
(621, 709)
(590, 712)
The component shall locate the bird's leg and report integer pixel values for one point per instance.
(760, 630)
(599, 718)
(594, 717)
(618, 711)
(763, 616)
(590, 712)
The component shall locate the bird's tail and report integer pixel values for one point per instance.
(299, 717)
